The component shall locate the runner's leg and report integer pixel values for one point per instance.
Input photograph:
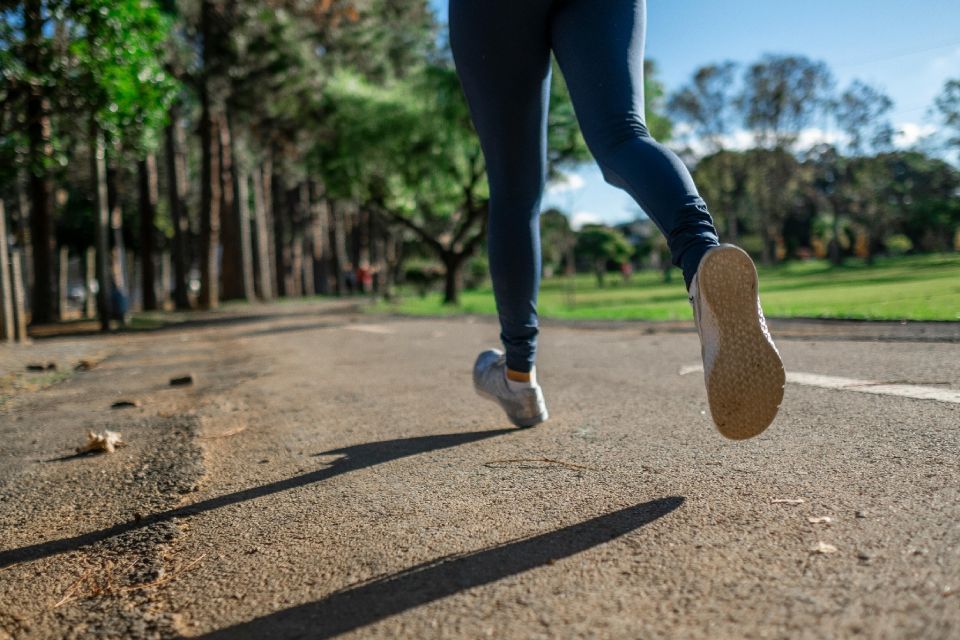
(502, 52)
(600, 50)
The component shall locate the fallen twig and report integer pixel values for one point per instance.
(108, 588)
(165, 579)
(560, 463)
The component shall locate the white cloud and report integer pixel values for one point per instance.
(580, 218)
(909, 133)
(815, 135)
(569, 182)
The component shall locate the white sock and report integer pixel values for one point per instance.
(518, 385)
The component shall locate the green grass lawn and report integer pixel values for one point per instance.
(906, 288)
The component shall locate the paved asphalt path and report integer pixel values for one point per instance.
(333, 473)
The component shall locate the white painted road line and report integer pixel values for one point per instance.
(861, 386)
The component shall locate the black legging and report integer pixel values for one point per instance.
(502, 52)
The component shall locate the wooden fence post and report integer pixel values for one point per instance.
(7, 332)
(19, 298)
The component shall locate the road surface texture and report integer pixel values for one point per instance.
(330, 472)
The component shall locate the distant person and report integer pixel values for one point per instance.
(502, 53)
(365, 277)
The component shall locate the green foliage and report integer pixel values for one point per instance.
(90, 59)
(948, 105)
(422, 275)
(655, 97)
(722, 179)
(861, 111)
(565, 143)
(599, 245)
(556, 239)
(118, 52)
(898, 244)
(477, 272)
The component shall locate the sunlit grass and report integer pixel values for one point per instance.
(907, 288)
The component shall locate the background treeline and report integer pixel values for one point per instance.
(187, 152)
(794, 165)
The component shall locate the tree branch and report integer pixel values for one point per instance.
(474, 242)
(410, 224)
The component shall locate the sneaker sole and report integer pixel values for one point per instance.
(745, 385)
(517, 422)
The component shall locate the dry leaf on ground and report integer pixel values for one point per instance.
(823, 547)
(104, 441)
(820, 520)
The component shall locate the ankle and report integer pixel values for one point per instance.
(517, 380)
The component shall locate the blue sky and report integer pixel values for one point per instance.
(908, 49)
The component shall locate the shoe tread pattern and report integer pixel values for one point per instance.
(745, 384)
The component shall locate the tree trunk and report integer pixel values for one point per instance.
(599, 267)
(294, 245)
(176, 179)
(836, 256)
(209, 213)
(338, 246)
(165, 277)
(210, 177)
(261, 225)
(118, 257)
(319, 240)
(766, 251)
(231, 263)
(280, 246)
(377, 251)
(63, 276)
(241, 199)
(39, 152)
(98, 170)
(453, 277)
(733, 228)
(147, 168)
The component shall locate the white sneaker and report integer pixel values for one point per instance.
(525, 407)
(741, 365)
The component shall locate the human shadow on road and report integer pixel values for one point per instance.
(353, 458)
(368, 602)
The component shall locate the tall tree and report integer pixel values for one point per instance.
(706, 104)
(780, 96)
(861, 111)
(947, 103)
